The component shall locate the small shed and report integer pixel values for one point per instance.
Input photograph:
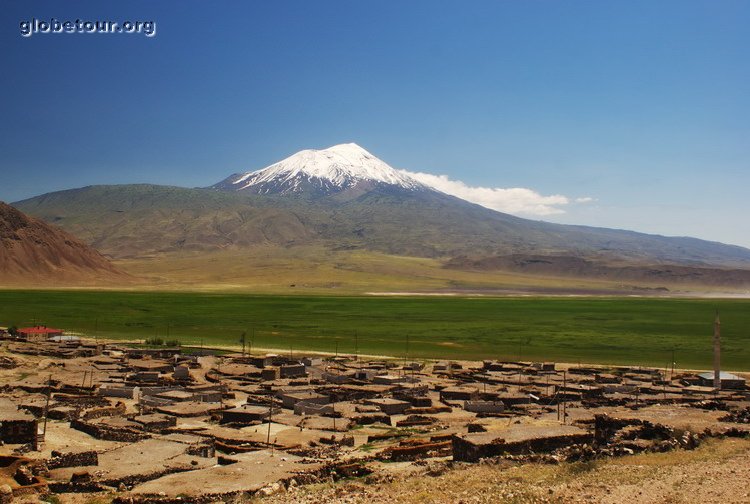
(728, 380)
(290, 399)
(389, 406)
(245, 414)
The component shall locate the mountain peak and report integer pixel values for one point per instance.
(328, 170)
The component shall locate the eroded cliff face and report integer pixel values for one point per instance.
(33, 252)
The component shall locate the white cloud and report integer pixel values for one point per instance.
(516, 200)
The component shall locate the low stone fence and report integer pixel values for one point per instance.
(87, 458)
(108, 433)
(116, 410)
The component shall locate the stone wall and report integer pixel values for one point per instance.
(127, 392)
(116, 410)
(86, 458)
(108, 433)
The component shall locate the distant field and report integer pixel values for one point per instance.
(596, 330)
(316, 270)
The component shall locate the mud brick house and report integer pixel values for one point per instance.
(155, 422)
(293, 371)
(459, 394)
(389, 406)
(245, 414)
(155, 353)
(16, 427)
(270, 374)
(149, 365)
(728, 380)
(388, 379)
(261, 362)
(309, 408)
(290, 399)
(519, 439)
(484, 406)
(181, 373)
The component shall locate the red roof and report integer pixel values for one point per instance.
(39, 330)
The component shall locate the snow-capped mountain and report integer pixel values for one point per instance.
(344, 198)
(326, 171)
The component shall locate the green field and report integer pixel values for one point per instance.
(594, 330)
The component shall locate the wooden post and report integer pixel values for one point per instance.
(565, 398)
(671, 375)
(46, 407)
(717, 352)
(270, 416)
(333, 405)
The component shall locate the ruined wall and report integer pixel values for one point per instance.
(116, 410)
(108, 433)
(127, 392)
(466, 451)
(19, 431)
(87, 458)
(484, 406)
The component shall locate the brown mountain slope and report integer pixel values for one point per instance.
(34, 253)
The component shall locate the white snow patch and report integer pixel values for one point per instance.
(341, 165)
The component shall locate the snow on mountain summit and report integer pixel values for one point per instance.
(335, 168)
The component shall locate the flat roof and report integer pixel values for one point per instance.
(176, 393)
(723, 375)
(249, 408)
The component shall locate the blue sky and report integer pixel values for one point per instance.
(642, 106)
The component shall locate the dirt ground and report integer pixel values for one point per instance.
(716, 472)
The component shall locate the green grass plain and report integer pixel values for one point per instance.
(605, 330)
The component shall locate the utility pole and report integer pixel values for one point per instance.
(333, 405)
(671, 375)
(717, 352)
(270, 416)
(637, 392)
(46, 407)
(356, 346)
(565, 397)
(406, 357)
(252, 338)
